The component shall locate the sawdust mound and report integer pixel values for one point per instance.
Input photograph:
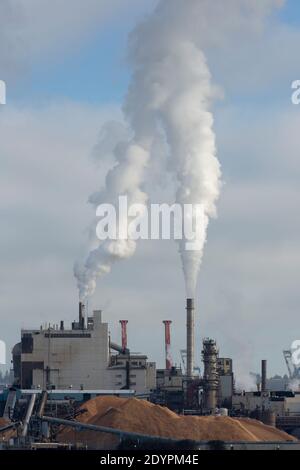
(6, 435)
(131, 414)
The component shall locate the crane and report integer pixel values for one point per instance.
(294, 372)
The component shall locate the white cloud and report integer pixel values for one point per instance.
(45, 180)
(251, 263)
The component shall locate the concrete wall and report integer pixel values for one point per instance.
(225, 388)
(151, 376)
(74, 357)
(141, 379)
(292, 405)
(80, 358)
(225, 365)
(280, 407)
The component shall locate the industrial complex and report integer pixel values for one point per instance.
(82, 357)
(57, 370)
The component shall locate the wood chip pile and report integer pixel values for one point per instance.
(140, 416)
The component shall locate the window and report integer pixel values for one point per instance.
(27, 343)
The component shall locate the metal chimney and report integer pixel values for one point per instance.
(189, 337)
(124, 333)
(263, 375)
(167, 324)
(210, 374)
(81, 315)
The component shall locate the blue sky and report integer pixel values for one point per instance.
(97, 71)
(290, 13)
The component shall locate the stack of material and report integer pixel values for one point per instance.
(140, 416)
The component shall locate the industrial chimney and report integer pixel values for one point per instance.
(189, 337)
(81, 315)
(167, 324)
(264, 375)
(210, 375)
(124, 333)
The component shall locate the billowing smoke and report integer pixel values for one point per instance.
(188, 124)
(245, 381)
(125, 178)
(169, 94)
(169, 100)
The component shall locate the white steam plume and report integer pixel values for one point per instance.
(170, 93)
(125, 178)
(170, 98)
(179, 91)
(188, 124)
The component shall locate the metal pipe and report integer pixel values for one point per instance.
(127, 375)
(263, 375)
(168, 357)
(118, 432)
(28, 414)
(10, 426)
(190, 337)
(43, 402)
(81, 315)
(124, 333)
(118, 348)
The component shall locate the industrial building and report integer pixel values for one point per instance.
(188, 389)
(82, 357)
(282, 403)
(85, 358)
(59, 369)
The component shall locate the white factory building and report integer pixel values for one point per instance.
(80, 358)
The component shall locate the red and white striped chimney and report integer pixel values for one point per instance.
(124, 333)
(169, 361)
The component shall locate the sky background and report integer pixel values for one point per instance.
(66, 69)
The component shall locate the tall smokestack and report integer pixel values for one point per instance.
(167, 324)
(81, 315)
(124, 333)
(189, 337)
(263, 375)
